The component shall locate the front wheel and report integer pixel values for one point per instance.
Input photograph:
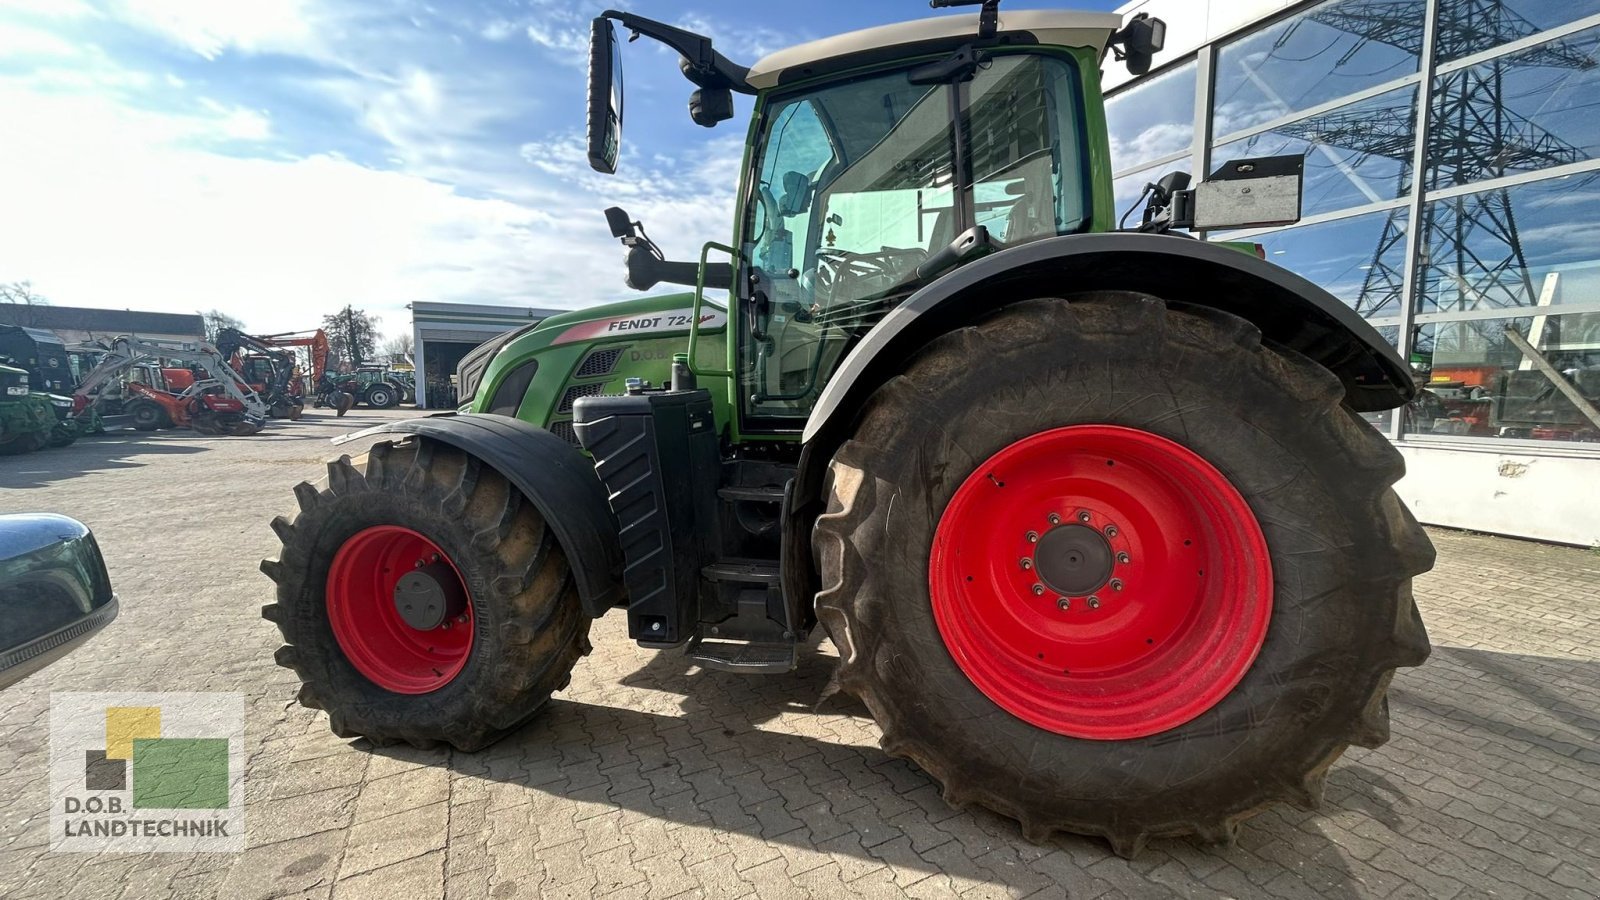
(1117, 568)
(148, 416)
(422, 599)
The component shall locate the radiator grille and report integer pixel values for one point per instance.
(600, 362)
(581, 390)
(566, 432)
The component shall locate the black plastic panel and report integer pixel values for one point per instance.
(657, 455)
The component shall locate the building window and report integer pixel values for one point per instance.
(1512, 247)
(1535, 377)
(1127, 189)
(1473, 26)
(1521, 112)
(1355, 155)
(1360, 259)
(1327, 52)
(1152, 119)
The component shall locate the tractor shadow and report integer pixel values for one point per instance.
(780, 760)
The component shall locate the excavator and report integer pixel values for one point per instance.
(325, 391)
(219, 402)
(268, 369)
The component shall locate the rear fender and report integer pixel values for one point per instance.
(558, 480)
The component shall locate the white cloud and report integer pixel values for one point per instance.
(211, 27)
(560, 38)
(21, 41)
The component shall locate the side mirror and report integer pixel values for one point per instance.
(1141, 39)
(605, 97)
(54, 592)
(708, 106)
(620, 222)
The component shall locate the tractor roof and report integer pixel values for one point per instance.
(1049, 27)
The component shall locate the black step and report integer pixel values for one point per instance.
(744, 657)
(752, 494)
(742, 572)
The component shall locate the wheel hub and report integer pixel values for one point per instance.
(1074, 560)
(427, 596)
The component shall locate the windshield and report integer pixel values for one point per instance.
(859, 183)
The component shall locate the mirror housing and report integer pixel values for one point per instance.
(54, 592)
(605, 97)
(1139, 42)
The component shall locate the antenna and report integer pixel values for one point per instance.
(988, 17)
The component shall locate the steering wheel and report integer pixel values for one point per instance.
(847, 277)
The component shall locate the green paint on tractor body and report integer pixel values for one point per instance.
(595, 351)
(27, 419)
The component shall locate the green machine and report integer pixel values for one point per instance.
(1088, 511)
(29, 420)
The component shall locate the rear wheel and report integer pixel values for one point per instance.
(382, 396)
(1117, 568)
(422, 599)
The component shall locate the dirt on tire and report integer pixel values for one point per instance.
(531, 629)
(1317, 477)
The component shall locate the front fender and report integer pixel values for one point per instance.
(558, 480)
(1288, 309)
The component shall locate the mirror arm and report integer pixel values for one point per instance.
(702, 64)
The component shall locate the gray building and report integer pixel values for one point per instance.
(445, 332)
(78, 324)
(1452, 182)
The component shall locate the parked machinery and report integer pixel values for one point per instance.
(325, 390)
(218, 402)
(268, 369)
(43, 360)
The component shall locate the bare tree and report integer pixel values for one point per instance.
(216, 320)
(22, 303)
(398, 349)
(352, 335)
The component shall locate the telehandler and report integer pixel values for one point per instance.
(1091, 515)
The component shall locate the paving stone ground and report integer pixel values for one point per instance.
(653, 778)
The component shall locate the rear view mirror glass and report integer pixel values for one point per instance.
(605, 97)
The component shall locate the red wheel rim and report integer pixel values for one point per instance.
(374, 635)
(1172, 626)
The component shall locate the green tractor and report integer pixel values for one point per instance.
(1091, 515)
(29, 420)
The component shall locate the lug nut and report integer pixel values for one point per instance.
(1094, 602)
(1033, 537)
(1027, 563)
(1111, 531)
(1055, 519)
(1083, 516)
(1064, 603)
(436, 557)
(1038, 590)
(1116, 584)
(1124, 558)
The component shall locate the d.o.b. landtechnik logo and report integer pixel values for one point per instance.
(142, 773)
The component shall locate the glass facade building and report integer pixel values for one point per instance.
(1452, 192)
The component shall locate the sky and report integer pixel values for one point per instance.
(278, 159)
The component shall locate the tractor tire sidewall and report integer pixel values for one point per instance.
(381, 397)
(491, 693)
(1264, 419)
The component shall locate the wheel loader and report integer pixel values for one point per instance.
(1089, 513)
